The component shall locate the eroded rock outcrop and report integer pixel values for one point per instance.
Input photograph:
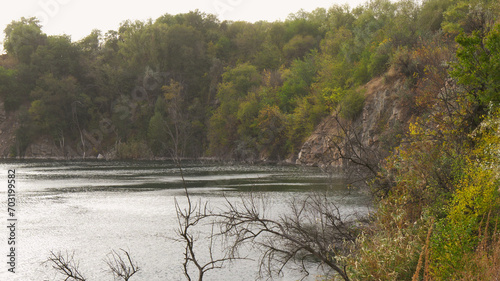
(377, 129)
(44, 148)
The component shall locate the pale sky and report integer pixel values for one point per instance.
(79, 17)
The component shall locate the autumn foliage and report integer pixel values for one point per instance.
(437, 219)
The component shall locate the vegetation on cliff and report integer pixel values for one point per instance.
(190, 85)
(438, 209)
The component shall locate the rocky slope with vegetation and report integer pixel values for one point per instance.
(379, 127)
(191, 85)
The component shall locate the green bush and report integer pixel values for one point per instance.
(352, 104)
(379, 60)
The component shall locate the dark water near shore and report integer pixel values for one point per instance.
(91, 208)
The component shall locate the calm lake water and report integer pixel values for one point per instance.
(92, 208)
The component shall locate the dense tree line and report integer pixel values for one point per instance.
(242, 90)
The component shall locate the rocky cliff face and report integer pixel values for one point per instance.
(377, 129)
(8, 127)
(44, 148)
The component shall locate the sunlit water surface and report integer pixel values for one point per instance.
(90, 208)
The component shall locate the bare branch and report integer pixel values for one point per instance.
(122, 268)
(188, 218)
(312, 228)
(66, 266)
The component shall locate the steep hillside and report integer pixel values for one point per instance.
(191, 85)
(379, 127)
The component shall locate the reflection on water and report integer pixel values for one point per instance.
(91, 208)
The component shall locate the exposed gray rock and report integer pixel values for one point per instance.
(382, 118)
(44, 148)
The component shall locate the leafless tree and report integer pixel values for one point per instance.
(188, 218)
(66, 266)
(312, 229)
(121, 267)
(178, 126)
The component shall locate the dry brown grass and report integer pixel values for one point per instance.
(484, 263)
(424, 255)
